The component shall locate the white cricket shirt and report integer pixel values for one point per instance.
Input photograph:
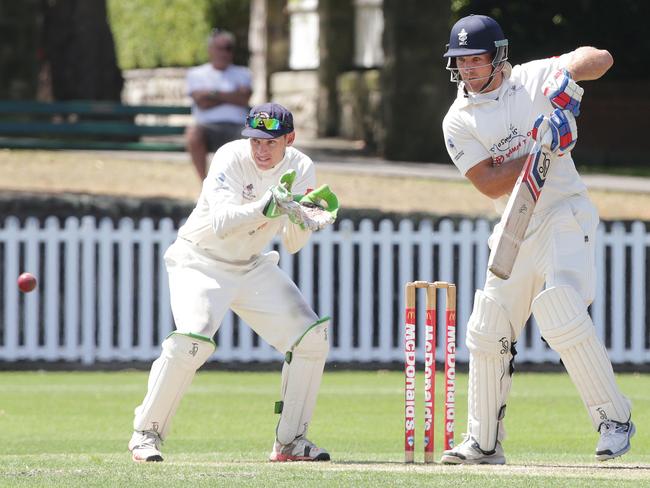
(498, 125)
(206, 77)
(227, 221)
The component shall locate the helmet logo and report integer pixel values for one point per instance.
(462, 38)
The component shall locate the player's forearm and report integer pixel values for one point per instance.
(226, 218)
(589, 63)
(495, 181)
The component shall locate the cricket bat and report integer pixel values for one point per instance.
(519, 210)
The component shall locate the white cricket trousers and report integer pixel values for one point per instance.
(203, 289)
(558, 250)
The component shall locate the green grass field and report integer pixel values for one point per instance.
(71, 428)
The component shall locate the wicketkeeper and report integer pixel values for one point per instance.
(255, 190)
(489, 130)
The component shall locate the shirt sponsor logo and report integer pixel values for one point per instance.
(508, 145)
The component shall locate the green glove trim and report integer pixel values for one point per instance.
(287, 179)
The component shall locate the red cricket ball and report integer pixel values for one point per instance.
(26, 282)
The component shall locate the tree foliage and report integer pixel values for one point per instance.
(542, 28)
(157, 33)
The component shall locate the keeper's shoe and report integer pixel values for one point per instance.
(145, 447)
(614, 439)
(469, 452)
(301, 449)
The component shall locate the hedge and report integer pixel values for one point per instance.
(161, 33)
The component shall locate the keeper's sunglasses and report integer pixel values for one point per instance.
(268, 123)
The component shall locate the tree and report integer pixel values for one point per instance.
(336, 45)
(79, 50)
(541, 28)
(19, 55)
(415, 86)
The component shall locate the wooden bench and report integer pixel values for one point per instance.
(88, 125)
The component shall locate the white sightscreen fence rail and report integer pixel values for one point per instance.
(103, 292)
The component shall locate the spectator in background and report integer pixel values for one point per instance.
(220, 92)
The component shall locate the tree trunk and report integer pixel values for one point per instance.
(19, 54)
(415, 85)
(336, 48)
(78, 45)
(257, 43)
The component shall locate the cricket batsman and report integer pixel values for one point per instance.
(499, 112)
(256, 189)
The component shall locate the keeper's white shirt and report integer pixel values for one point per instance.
(498, 125)
(226, 223)
(206, 77)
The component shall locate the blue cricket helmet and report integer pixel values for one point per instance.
(475, 34)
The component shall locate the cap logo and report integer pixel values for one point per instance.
(462, 37)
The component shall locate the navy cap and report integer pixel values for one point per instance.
(475, 34)
(256, 126)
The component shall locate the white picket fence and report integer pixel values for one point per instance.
(103, 292)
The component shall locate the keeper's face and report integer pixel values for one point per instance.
(269, 152)
(475, 70)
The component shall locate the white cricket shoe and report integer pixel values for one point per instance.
(614, 439)
(469, 452)
(301, 449)
(145, 447)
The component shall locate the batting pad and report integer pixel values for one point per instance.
(489, 339)
(170, 376)
(301, 377)
(563, 321)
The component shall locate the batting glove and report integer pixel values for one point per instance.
(563, 92)
(558, 133)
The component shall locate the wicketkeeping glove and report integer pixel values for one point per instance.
(558, 133)
(311, 211)
(280, 195)
(563, 92)
(318, 208)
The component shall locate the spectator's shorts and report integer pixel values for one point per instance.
(218, 133)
